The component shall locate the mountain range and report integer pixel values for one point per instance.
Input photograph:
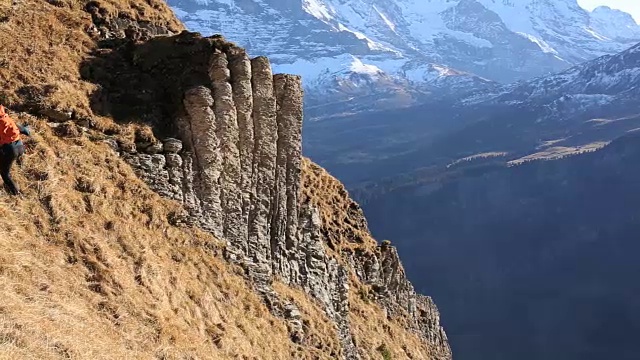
(581, 107)
(393, 53)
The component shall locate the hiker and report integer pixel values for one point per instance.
(11, 148)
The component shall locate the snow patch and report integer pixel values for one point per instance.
(386, 20)
(614, 24)
(541, 43)
(595, 34)
(317, 9)
(179, 12)
(588, 99)
(516, 15)
(470, 39)
(359, 67)
(321, 69)
(372, 45)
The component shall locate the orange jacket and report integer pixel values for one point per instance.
(9, 130)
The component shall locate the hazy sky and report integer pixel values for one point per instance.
(630, 6)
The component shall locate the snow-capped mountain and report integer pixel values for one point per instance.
(355, 88)
(600, 87)
(417, 46)
(614, 24)
(588, 104)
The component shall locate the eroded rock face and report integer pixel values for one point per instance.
(201, 136)
(240, 67)
(284, 235)
(227, 131)
(237, 171)
(323, 277)
(264, 165)
(391, 288)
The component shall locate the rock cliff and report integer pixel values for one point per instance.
(226, 151)
(238, 170)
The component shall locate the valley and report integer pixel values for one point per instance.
(536, 261)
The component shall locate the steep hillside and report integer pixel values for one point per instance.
(244, 250)
(89, 249)
(545, 252)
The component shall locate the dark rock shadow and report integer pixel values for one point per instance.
(142, 79)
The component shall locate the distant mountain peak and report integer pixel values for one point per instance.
(499, 40)
(614, 24)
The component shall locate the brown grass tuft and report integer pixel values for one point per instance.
(342, 219)
(44, 44)
(375, 335)
(320, 333)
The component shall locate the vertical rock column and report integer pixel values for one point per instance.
(227, 132)
(284, 234)
(202, 139)
(240, 67)
(264, 162)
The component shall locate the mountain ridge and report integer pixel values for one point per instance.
(586, 104)
(501, 41)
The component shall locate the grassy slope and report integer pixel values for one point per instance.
(98, 272)
(43, 47)
(90, 267)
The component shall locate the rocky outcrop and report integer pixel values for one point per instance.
(202, 139)
(376, 267)
(240, 66)
(107, 27)
(237, 170)
(264, 162)
(323, 277)
(391, 288)
(227, 132)
(284, 233)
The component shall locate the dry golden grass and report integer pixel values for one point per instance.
(90, 268)
(342, 219)
(45, 43)
(347, 231)
(372, 332)
(43, 47)
(320, 332)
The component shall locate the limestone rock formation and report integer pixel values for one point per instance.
(238, 170)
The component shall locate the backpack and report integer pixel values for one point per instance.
(9, 131)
